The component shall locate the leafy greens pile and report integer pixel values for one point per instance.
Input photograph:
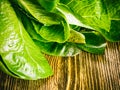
(29, 28)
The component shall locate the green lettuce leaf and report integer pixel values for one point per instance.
(58, 49)
(49, 30)
(32, 8)
(53, 33)
(48, 4)
(56, 33)
(19, 53)
(31, 26)
(70, 17)
(114, 34)
(4, 68)
(95, 42)
(91, 13)
(76, 37)
(113, 8)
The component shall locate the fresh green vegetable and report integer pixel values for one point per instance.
(90, 13)
(35, 11)
(95, 43)
(55, 33)
(19, 53)
(29, 28)
(58, 49)
(113, 8)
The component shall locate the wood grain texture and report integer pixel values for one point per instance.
(83, 72)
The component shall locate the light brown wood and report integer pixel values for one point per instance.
(83, 72)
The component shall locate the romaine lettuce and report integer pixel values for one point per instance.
(29, 28)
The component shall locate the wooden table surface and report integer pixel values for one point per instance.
(83, 72)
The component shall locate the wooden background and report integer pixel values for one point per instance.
(82, 72)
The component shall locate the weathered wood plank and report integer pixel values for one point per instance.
(83, 72)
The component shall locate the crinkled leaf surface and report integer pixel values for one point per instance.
(56, 33)
(70, 17)
(50, 31)
(113, 8)
(19, 53)
(57, 27)
(31, 26)
(92, 13)
(35, 10)
(4, 68)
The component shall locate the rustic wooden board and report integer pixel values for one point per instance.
(82, 72)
